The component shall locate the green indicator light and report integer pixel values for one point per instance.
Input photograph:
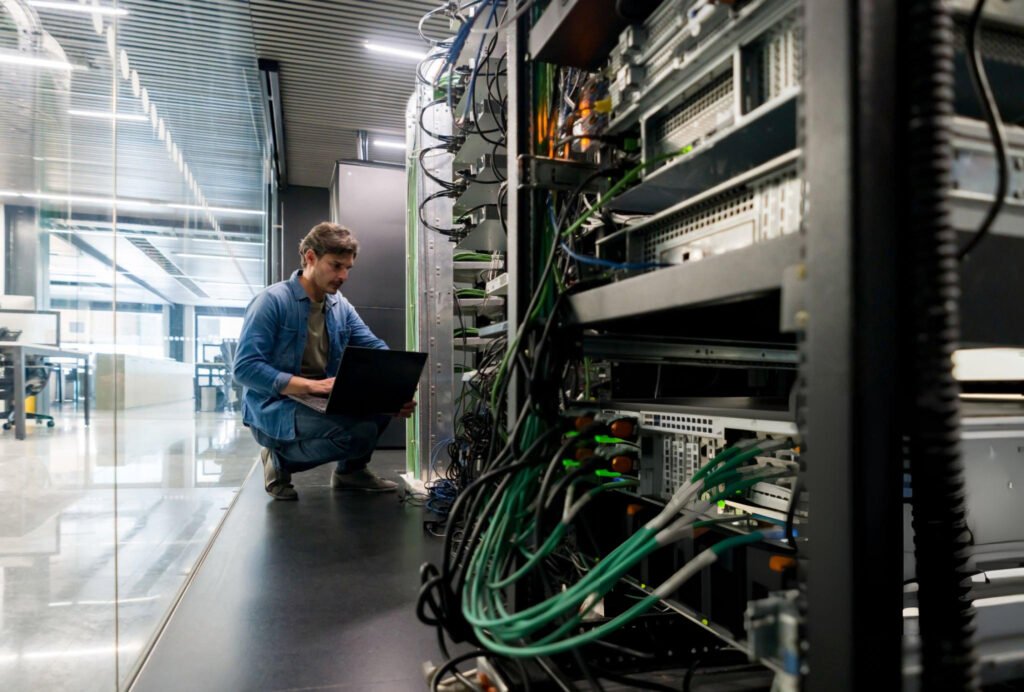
(570, 463)
(687, 149)
(643, 586)
(572, 433)
(607, 440)
(704, 621)
(606, 474)
(721, 504)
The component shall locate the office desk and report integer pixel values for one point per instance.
(16, 353)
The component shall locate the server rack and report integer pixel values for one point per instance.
(838, 283)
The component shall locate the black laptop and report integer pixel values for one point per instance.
(370, 381)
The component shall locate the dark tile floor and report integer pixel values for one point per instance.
(315, 594)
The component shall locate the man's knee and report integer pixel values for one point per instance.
(363, 438)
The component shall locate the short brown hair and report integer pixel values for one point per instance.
(328, 239)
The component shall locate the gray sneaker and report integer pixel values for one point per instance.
(364, 479)
(278, 486)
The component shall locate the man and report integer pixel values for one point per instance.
(292, 337)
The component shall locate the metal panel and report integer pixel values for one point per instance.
(741, 273)
(435, 279)
(370, 200)
(852, 455)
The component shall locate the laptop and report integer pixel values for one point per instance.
(370, 381)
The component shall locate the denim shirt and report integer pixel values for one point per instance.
(270, 350)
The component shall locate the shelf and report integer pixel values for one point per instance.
(480, 306)
(638, 349)
(476, 146)
(747, 272)
(762, 135)
(470, 343)
(498, 286)
(476, 196)
(493, 330)
(487, 236)
(469, 272)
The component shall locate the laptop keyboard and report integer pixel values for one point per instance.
(317, 403)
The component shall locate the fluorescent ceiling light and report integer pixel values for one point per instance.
(226, 210)
(108, 115)
(78, 7)
(81, 199)
(212, 282)
(125, 203)
(12, 58)
(400, 52)
(199, 255)
(388, 144)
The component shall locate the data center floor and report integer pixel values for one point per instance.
(315, 594)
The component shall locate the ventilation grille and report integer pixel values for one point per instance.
(678, 422)
(699, 115)
(675, 467)
(682, 457)
(154, 253)
(1001, 46)
(761, 211)
(780, 60)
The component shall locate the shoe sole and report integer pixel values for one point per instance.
(283, 499)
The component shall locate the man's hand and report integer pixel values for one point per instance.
(321, 387)
(407, 410)
(302, 385)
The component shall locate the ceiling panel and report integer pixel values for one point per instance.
(331, 85)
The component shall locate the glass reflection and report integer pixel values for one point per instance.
(132, 190)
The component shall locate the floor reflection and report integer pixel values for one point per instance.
(159, 479)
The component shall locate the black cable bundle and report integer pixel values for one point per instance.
(932, 418)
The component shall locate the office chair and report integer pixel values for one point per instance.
(37, 375)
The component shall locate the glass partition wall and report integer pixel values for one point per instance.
(133, 170)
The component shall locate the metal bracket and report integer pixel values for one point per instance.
(538, 172)
(793, 313)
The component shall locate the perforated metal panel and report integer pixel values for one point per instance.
(749, 214)
(699, 115)
(681, 457)
(1002, 46)
(677, 422)
(780, 62)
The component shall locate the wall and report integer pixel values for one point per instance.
(303, 208)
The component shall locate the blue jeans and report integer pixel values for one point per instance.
(321, 439)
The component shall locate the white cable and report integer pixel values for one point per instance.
(672, 584)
